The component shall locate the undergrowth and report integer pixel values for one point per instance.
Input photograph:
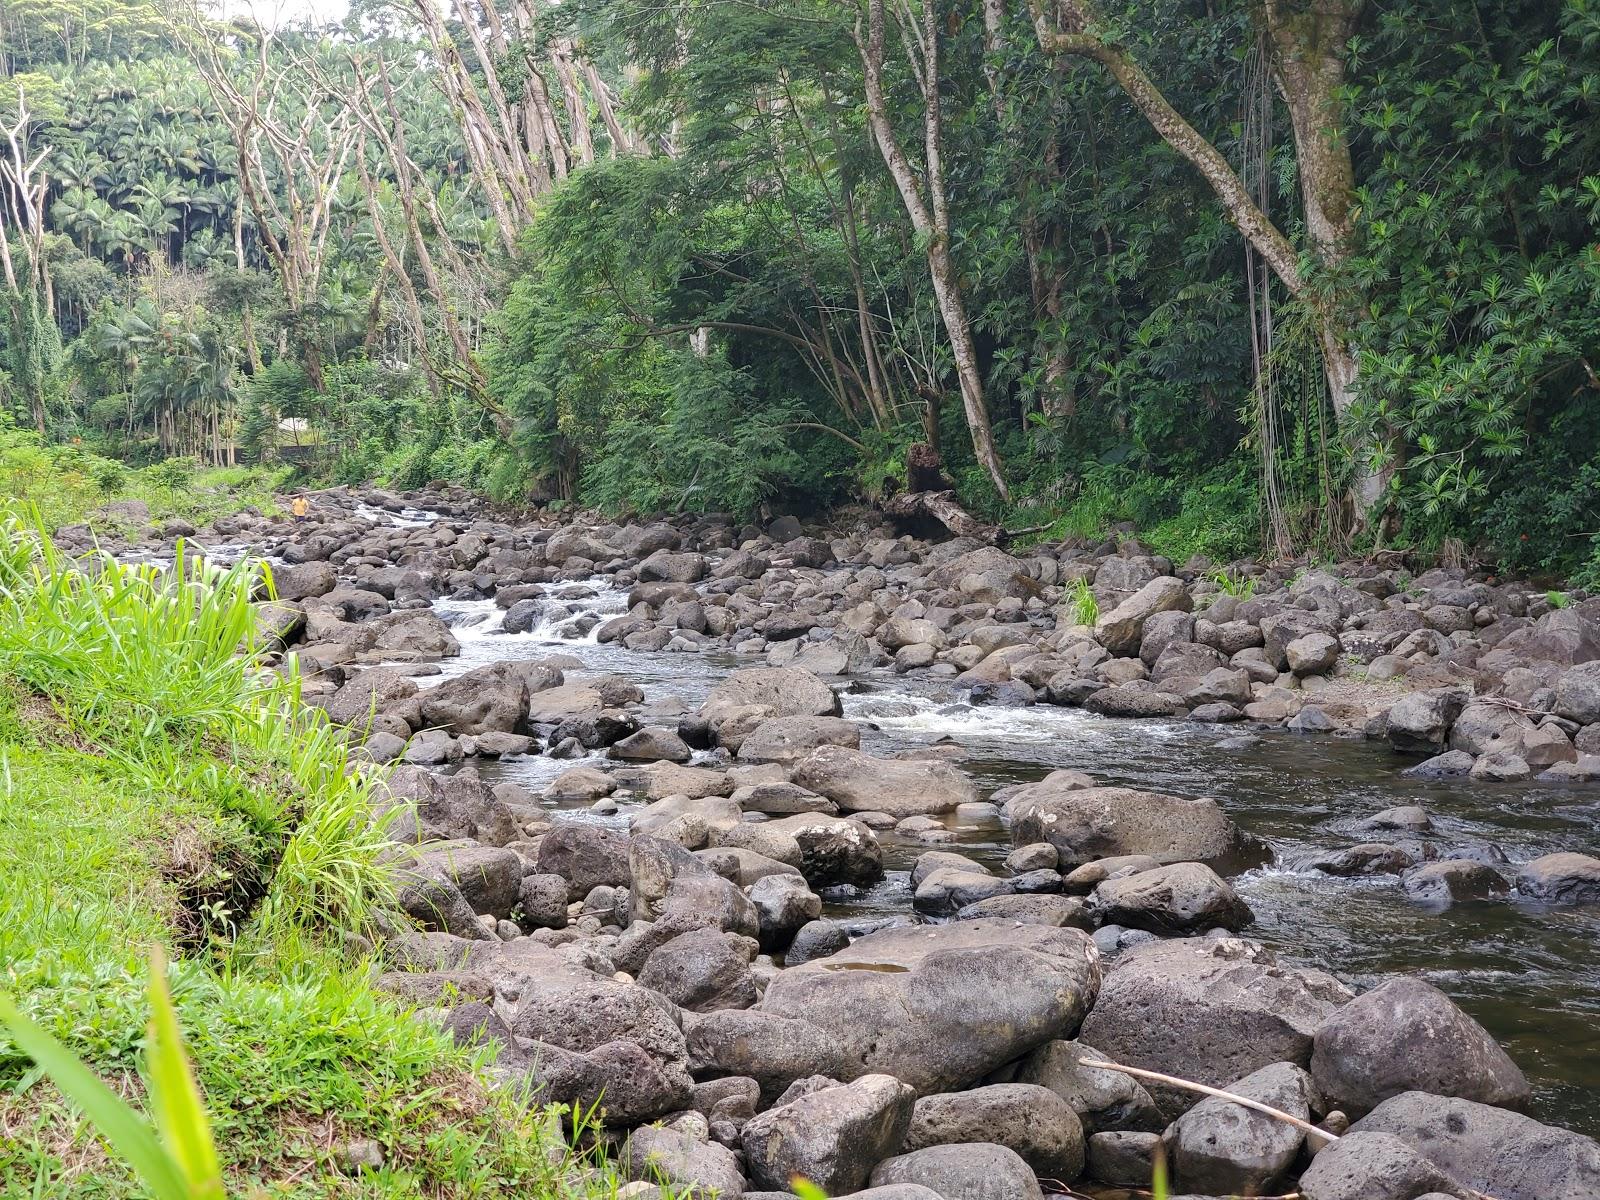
(158, 788)
(69, 485)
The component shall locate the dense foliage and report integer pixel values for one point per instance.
(722, 268)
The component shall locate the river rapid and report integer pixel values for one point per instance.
(1530, 975)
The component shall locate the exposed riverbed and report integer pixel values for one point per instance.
(1530, 975)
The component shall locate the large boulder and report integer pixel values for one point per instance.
(970, 1171)
(858, 782)
(688, 1166)
(581, 1012)
(1405, 1036)
(586, 856)
(667, 566)
(1031, 1120)
(1102, 1099)
(1206, 1010)
(832, 850)
(1422, 720)
(987, 575)
(486, 699)
(832, 1137)
(749, 1043)
(1122, 629)
(1185, 897)
(1499, 1153)
(1578, 694)
(703, 970)
(1563, 878)
(788, 739)
(1372, 1166)
(1219, 1148)
(941, 1006)
(1088, 823)
(779, 691)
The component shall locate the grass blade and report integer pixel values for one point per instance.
(174, 1097)
(123, 1128)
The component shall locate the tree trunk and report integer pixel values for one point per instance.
(1308, 57)
(930, 218)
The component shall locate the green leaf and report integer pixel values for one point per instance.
(180, 1115)
(122, 1127)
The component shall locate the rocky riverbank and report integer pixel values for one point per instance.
(680, 969)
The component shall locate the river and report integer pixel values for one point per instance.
(1530, 975)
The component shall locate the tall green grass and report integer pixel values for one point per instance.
(160, 789)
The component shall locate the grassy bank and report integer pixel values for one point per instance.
(66, 485)
(156, 788)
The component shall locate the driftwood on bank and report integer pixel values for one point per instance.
(944, 508)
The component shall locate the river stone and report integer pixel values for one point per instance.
(435, 903)
(1502, 1154)
(833, 850)
(774, 1051)
(946, 891)
(1407, 1036)
(1311, 653)
(1121, 1157)
(781, 799)
(832, 1137)
(1182, 898)
(788, 739)
(1206, 1010)
(684, 1163)
(445, 808)
(969, 1171)
(1406, 818)
(489, 879)
(785, 905)
(1422, 720)
(1219, 1148)
(941, 1006)
(1031, 1120)
(1563, 878)
(586, 856)
(858, 782)
(1452, 764)
(580, 785)
(1372, 1166)
(1085, 824)
(1101, 1099)
(1121, 630)
(1453, 880)
(1131, 701)
(651, 744)
(1060, 911)
(620, 1079)
(578, 1011)
(781, 691)
(543, 901)
(702, 970)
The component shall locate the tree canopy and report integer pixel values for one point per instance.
(1256, 276)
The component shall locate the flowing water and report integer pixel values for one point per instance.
(1530, 975)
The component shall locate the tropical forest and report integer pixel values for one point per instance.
(893, 599)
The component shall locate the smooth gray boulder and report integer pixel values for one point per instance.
(1102, 1099)
(970, 1171)
(1181, 898)
(774, 1051)
(1502, 1154)
(1407, 1036)
(1219, 1148)
(689, 1166)
(1372, 1166)
(1208, 1010)
(1122, 629)
(1102, 822)
(789, 739)
(1031, 1120)
(833, 1137)
(780, 691)
(1563, 878)
(858, 782)
(941, 1006)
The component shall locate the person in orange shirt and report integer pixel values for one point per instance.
(300, 507)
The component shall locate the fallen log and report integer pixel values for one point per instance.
(944, 508)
